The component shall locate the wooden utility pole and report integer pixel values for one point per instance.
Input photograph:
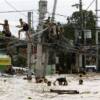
(29, 47)
(97, 48)
(82, 32)
(40, 69)
(54, 10)
(80, 59)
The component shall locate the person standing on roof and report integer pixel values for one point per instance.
(24, 27)
(6, 29)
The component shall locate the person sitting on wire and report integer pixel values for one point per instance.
(24, 27)
(6, 29)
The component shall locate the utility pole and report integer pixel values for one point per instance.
(97, 49)
(29, 45)
(82, 30)
(53, 19)
(39, 66)
(80, 59)
(81, 17)
(54, 10)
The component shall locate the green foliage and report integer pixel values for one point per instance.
(20, 61)
(1, 34)
(74, 22)
(69, 31)
(88, 19)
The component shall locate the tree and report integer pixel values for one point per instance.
(20, 61)
(69, 31)
(74, 22)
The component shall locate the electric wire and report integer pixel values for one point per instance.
(9, 4)
(31, 10)
(20, 11)
(57, 14)
(14, 11)
(48, 12)
(90, 5)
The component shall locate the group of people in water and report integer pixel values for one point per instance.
(6, 30)
(62, 81)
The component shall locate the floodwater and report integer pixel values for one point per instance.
(16, 88)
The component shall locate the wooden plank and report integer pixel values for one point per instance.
(65, 91)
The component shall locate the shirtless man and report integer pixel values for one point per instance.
(6, 29)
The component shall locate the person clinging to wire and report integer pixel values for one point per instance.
(24, 27)
(6, 29)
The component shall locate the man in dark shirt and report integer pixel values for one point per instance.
(24, 27)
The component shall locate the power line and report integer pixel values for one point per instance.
(10, 5)
(32, 10)
(57, 14)
(13, 7)
(20, 11)
(13, 11)
(90, 5)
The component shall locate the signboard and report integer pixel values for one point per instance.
(87, 34)
(5, 60)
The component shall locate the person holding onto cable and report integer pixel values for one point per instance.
(6, 29)
(24, 27)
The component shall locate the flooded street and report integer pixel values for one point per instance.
(15, 88)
